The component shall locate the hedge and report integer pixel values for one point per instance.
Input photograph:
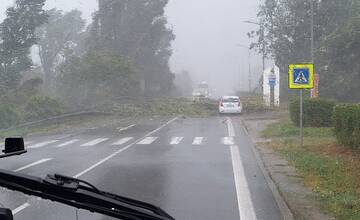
(317, 112)
(8, 116)
(346, 119)
(41, 107)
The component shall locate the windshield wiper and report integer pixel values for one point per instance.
(80, 194)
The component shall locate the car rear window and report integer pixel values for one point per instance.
(231, 100)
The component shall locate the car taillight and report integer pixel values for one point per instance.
(221, 104)
(239, 104)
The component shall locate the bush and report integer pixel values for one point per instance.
(317, 112)
(346, 120)
(8, 116)
(253, 104)
(41, 107)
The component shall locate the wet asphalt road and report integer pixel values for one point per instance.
(192, 168)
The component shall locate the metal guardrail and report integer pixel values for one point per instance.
(54, 119)
(94, 110)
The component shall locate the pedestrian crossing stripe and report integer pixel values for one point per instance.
(198, 141)
(147, 140)
(94, 142)
(144, 141)
(68, 143)
(176, 140)
(42, 144)
(122, 141)
(228, 141)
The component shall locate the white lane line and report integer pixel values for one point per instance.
(126, 128)
(176, 140)
(147, 140)
(68, 143)
(33, 164)
(20, 208)
(94, 142)
(245, 204)
(230, 127)
(228, 141)
(246, 207)
(198, 140)
(122, 149)
(42, 144)
(122, 141)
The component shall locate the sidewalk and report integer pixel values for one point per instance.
(299, 199)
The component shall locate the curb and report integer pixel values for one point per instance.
(283, 206)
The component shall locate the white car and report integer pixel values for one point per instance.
(230, 105)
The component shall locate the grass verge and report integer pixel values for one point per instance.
(331, 170)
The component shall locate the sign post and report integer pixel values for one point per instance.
(272, 84)
(301, 76)
(315, 90)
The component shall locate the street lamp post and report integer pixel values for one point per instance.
(262, 36)
(312, 31)
(249, 62)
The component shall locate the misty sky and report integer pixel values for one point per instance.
(207, 33)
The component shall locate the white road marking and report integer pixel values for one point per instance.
(28, 142)
(126, 128)
(198, 141)
(94, 142)
(68, 143)
(228, 140)
(147, 140)
(245, 205)
(42, 144)
(122, 150)
(122, 141)
(33, 164)
(230, 127)
(176, 140)
(20, 208)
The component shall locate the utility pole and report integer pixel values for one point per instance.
(249, 63)
(262, 37)
(312, 31)
(312, 51)
(250, 75)
(263, 47)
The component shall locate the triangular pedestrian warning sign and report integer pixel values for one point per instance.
(301, 79)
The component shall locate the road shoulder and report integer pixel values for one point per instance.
(298, 198)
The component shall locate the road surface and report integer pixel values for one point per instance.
(201, 168)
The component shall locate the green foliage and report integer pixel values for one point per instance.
(288, 129)
(331, 171)
(317, 112)
(17, 36)
(8, 116)
(164, 107)
(286, 28)
(137, 30)
(62, 32)
(253, 104)
(42, 107)
(347, 124)
(96, 76)
(331, 178)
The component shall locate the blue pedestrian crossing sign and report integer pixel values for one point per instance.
(301, 76)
